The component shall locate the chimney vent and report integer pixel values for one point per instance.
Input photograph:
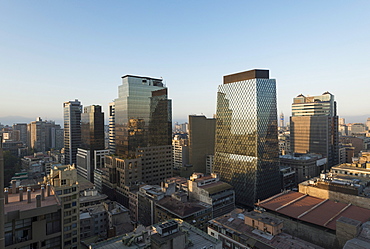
(20, 193)
(14, 186)
(43, 192)
(6, 193)
(38, 201)
(28, 194)
(48, 189)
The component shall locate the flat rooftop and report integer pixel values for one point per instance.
(216, 187)
(234, 223)
(14, 203)
(142, 77)
(348, 167)
(182, 209)
(301, 157)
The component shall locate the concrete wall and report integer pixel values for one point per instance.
(334, 196)
(315, 235)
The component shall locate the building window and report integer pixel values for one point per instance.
(64, 182)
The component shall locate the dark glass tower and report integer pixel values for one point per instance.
(142, 115)
(92, 128)
(72, 130)
(246, 149)
(90, 155)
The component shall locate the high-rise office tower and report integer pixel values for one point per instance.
(112, 144)
(201, 142)
(90, 155)
(246, 148)
(42, 135)
(180, 151)
(22, 128)
(72, 130)
(143, 134)
(92, 128)
(281, 120)
(142, 114)
(314, 126)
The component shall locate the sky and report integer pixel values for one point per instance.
(56, 51)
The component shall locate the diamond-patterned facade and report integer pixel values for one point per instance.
(246, 149)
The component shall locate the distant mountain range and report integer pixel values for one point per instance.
(10, 120)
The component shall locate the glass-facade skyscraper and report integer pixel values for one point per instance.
(246, 146)
(72, 130)
(92, 128)
(314, 126)
(141, 137)
(90, 155)
(142, 115)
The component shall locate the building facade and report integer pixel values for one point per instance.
(32, 218)
(201, 141)
(22, 128)
(90, 155)
(314, 126)
(142, 136)
(42, 135)
(211, 190)
(305, 165)
(111, 143)
(142, 115)
(72, 130)
(246, 149)
(63, 181)
(180, 150)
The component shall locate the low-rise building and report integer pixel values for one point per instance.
(168, 234)
(118, 219)
(90, 198)
(305, 166)
(242, 229)
(177, 206)
(288, 179)
(209, 189)
(33, 218)
(148, 196)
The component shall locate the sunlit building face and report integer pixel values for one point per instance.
(246, 149)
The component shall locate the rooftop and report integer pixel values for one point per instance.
(182, 209)
(234, 224)
(216, 187)
(14, 203)
(321, 212)
(302, 157)
(348, 167)
(177, 179)
(198, 238)
(143, 77)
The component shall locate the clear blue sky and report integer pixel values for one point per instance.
(55, 51)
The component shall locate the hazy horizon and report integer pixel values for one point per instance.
(10, 120)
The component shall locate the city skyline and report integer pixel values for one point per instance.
(63, 51)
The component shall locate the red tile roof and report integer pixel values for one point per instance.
(314, 210)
